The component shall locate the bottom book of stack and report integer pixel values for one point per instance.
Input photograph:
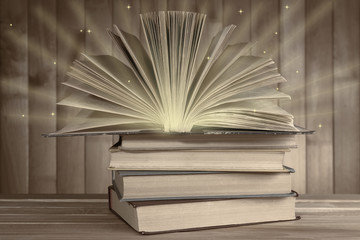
(149, 217)
(164, 201)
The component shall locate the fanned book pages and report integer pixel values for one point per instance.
(167, 86)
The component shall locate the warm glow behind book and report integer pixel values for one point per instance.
(159, 88)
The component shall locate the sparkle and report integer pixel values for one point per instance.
(52, 114)
(208, 58)
(320, 125)
(11, 25)
(129, 81)
(240, 11)
(287, 6)
(254, 110)
(276, 33)
(81, 30)
(128, 6)
(297, 71)
(23, 115)
(54, 63)
(264, 52)
(89, 31)
(277, 89)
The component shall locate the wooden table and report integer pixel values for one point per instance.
(88, 217)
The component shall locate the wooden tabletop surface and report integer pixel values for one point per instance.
(88, 217)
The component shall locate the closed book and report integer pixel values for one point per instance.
(160, 185)
(149, 217)
(232, 140)
(198, 160)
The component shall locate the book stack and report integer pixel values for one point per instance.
(183, 182)
(179, 105)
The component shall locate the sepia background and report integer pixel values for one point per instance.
(315, 44)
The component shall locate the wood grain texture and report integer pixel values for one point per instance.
(183, 5)
(70, 42)
(126, 17)
(152, 6)
(292, 67)
(238, 13)
(346, 97)
(98, 18)
(319, 96)
(42, 95)
(264, 26)
(213, 24)
(325, 91)
(14, 144)
(323, 217)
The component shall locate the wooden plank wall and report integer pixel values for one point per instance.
(98, 18)
(70, 154)
(315, 43)
(319, 95)
(292, 66)
(346, 97)
(14, 94)
(42, 95)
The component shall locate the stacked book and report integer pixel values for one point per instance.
(180, 182)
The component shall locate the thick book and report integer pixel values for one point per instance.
(149, 217)
(160, 86)
(160, 185)
(198, 160)
(206, 141)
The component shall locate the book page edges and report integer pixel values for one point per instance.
(301, 131)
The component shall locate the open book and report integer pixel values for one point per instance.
(167, 86)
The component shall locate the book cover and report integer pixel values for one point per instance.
(152, 217)
(160, 185)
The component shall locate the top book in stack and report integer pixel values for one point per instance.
(168, 142)
(167, 86)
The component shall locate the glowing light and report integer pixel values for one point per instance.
(89, 31)
(128, 6)
(240, 11)
(320, 125)
(297, 71)
(23, 115)
(254, 110)
(11, 25)
(54, 63)
(277, 89)
(276, 33)
(129, 81)
(287, 6)
(52, 114)
(264, 52)
(81, 30)
(208, 58)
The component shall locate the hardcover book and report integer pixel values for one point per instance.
(155, 185)
(168, 142)
(149, 217)
(198, 160)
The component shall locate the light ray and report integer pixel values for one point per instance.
(265, 35)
